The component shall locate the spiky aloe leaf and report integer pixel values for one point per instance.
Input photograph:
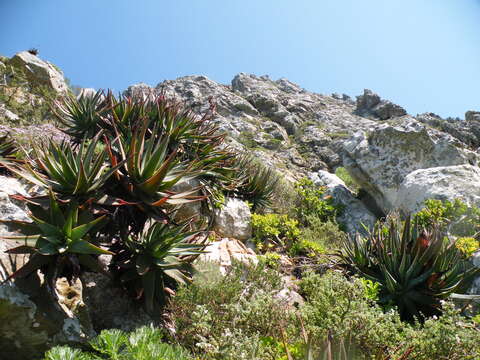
(416, 267)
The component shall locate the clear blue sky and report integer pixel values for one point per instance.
(421, 54)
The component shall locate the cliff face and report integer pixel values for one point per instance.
(398, 160)
(296, 131)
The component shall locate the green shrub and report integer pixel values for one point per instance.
(467, 245)
(257, 182)
(449, 337)
(273, 231)
(337, 309)
(456, 217)
(229, 317)
(318, 238)
(144, 343)
(342, 314)
(312, 202)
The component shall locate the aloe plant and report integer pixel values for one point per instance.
(58, 241)
(416, 268)
(257, 182)
(67, 170)
(149, 170)
(159, 256)
(80, 117)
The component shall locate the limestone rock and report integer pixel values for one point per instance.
(449, 182)
(7, 115)
(380, 160)
(355, 213)
(40, 71)
(233, 220)
(472, 115)
(188, 210)
(30, 322)
(108, 305)
(225, 250)
(371, 104)
(140, 90)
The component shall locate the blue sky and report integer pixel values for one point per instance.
(421, 54)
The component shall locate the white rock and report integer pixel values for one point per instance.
(380, 160)
(41, 71)
(233, 220)
(449, 182)
(7, 114)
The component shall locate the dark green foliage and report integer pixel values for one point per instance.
(127, 157)
(416, 268)
(58, 241)
(68, 171)
(154, 259)
(257, 182)
(81, 117)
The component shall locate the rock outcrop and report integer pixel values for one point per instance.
(370, 104)
(379, 160)
(444, 183)
(41, 72)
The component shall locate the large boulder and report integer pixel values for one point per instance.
(370, 104)
(40, 71)
(233, 220)
(379, 160)
(355, 215)
(448, 182)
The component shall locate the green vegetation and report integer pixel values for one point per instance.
(114, 189)
(455, 217)
(123, 178)
(143, 344)
(240, 316)
(343, 174)
(256, 182)
(273, 231)
(416, 268)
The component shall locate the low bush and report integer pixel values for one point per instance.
(313, 202)
(237, 316)
(455, 217)
(273, 231)
(341, 315)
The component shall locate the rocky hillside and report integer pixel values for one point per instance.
(387, 160)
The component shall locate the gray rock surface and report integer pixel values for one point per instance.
(370, 104)
(233, 220)
(379, 160)
(449, 182)
(355, 213)
(40, 71)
